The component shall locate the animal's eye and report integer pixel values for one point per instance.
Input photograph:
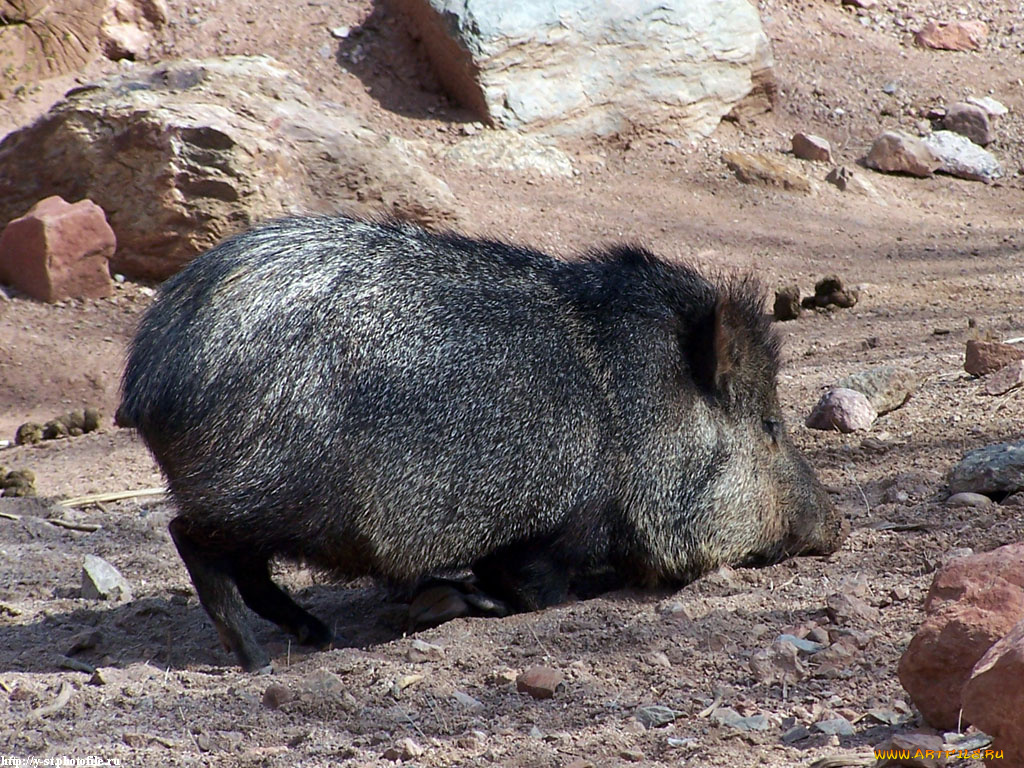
(773, 428)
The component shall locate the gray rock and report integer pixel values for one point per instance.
(887, 387)
(959, 156)
(971, 121)
(588, 67)
(507, 151)
(655, 715)
(102, 581)
(895, 152)
(421, 650)
(468, 702)
(214, 146)
(729, 716)
(839, 726)
(843, 410)
(997, 468)
(801, 644)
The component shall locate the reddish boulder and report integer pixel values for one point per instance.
(973, 602)
(982, 357)
(993, 698)
(58, 250)
(954, 35)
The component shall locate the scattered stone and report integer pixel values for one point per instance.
(990, 105)
(845, 609)
(992, 469)
(787, 303)
(631, 755)
(847, 180)
(58, 250)
(896, 152)
(843, 410)
(658, 659)
(953, 35)
(802, 644)
(405, 749)
(1006, 378)
(275, 695)
(993, 697)
(961, 157)
(540, 682)
(98, 678)
(865, 4)
(795, 734)
(913, 750)
(973, 602)
(966, 499)
(102, 581)
(594, 68)
(510, 151)
(421, 650)
(655, 715)
(887, 387)
(732, 718)
(765, 168)
(340, 33)
(468, 702)
(971, 121)
(807, 146)
(982, 357)
(838, 726)
(403, 682)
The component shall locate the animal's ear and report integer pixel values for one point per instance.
(733, 349)
(716, 348)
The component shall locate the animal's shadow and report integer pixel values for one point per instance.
(175, 633)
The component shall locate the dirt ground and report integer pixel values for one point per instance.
(938, 261)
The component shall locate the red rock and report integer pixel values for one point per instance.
(993, 698)
(954, 35)
(843, 410)
(895, 152)
(807, 146)
(58, 250)
(973, 602)
(982, 357)
(539, 682)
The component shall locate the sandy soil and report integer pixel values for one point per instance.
(938, 260)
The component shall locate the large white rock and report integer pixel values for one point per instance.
(588, 67)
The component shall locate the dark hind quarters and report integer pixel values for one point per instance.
(227, 580)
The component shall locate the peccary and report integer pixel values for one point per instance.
(374, 399)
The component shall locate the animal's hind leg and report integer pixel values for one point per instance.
(214, 580)
(274, 604)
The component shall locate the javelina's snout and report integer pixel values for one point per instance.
(374, 399)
